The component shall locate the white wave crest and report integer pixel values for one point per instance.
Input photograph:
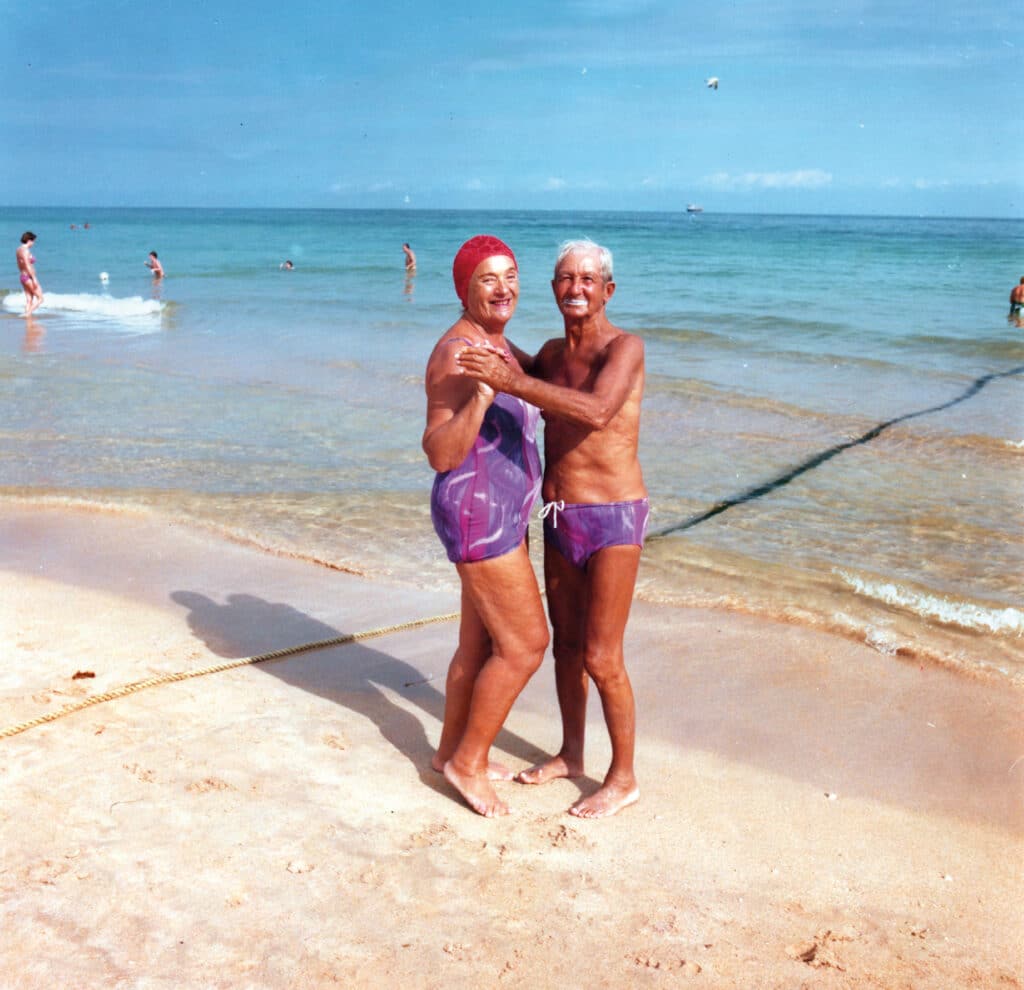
(968, 615)
(89, 305)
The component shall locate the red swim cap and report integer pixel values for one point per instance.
(475, 250)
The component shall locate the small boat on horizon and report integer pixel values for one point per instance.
(694, 208)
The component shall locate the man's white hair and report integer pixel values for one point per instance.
(585, 246)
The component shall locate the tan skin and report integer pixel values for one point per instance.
(502, 633)
(589, 385)
(27, 268)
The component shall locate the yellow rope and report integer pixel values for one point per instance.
(184, 675)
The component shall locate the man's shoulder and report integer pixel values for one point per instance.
(551, 349)
(624, 342)
(626, 337)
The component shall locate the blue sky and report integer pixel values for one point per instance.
(823, 107)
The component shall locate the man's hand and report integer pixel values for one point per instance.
(488, 365)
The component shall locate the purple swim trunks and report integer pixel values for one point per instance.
(481, 509)
(578, 531)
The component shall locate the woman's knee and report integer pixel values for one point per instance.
(528, 649)
(537, 643)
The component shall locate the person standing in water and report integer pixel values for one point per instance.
(27, 273)
(1017, 299)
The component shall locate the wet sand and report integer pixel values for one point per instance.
(812, 812)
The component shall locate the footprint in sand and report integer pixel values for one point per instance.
(207, 785)
(437, 834)
(666, 962)
(146, 776)
(568, 838)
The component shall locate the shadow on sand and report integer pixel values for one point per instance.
(352, 675)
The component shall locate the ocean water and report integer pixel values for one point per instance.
(833, 428)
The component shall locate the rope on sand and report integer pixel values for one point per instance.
(184, 675)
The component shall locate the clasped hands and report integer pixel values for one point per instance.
(487, 364)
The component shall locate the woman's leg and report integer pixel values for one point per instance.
(505, 597)
(470, 655)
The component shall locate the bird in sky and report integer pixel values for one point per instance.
(711, 83)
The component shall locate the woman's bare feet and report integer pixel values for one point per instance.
(608, 800)
(554, 769)
(495, 770)
(477, 790)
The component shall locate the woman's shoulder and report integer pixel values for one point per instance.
(442, 357)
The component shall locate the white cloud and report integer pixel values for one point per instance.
(931, 183)
(806, 178)
(554, 184)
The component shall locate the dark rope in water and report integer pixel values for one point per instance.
(759, 491)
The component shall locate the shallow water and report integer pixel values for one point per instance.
(832, 433)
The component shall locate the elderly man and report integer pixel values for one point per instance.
(589, 384)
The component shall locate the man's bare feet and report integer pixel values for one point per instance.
(554, 769)
(477, 790)
(495, 770)
(606, 801)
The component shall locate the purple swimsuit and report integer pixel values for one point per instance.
(481, 509)
(578, 531)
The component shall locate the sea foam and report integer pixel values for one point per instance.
(967, 615)
(89, 305)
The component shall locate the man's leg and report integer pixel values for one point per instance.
(504, 594)
(611, 577)
(566, 590)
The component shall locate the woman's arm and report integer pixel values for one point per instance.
(455, 411)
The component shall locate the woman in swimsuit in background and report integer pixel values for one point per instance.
(27, 273)
(484, 448)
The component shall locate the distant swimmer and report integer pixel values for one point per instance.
(286, 266)
(153, 264)
(410, 258)
(1017, 299)
(27, 273)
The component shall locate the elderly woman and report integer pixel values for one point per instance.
(483, 447)
(27, 273)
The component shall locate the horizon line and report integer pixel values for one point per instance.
(682, 212)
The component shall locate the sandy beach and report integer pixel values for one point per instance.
(813, 813)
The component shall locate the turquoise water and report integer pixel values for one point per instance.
(833, 429)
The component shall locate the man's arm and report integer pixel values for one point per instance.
(594, 409)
